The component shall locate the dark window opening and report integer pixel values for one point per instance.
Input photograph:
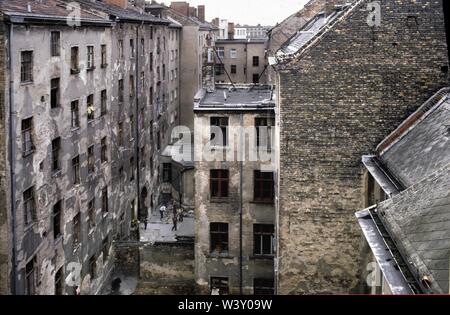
(90, 108)
(56, 147)
(76, 230)
(219, 238)
(219, 181)
(59, 278)
(263, 186)
(219, 284)
(27, 136)
(105, 208)
(255, 61)
(31, 277)
(57, 220)
(222, 124)
(91, 160)
(233, 69)
(76, 170)
(54, 93)
(103, 105)
(104, 150)
(167, 173)
(74, 60)
(29, 206)
(263, 237)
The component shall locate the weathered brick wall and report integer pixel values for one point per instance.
(337, 102)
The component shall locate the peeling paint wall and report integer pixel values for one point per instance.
(208, 265)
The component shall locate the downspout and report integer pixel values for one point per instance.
(136, 144)
(12, 161)
(241, 166)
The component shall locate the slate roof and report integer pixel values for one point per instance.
(413, 167)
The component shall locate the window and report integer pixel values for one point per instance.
(164, 71)
(256, 78)
(31, 276)
(167, 173)
(151, 166)
(57, 220)
(218, 131)
(143, 156)
(131, 86)
(132, 127)
(151, 61)
(91, 160)
(103, 102)
(91, 214)
(74, 67)
(121, 91)
(105, 208)
(220, 52)
(219, 238)
(263, 186)
(120, 133)
(29, 206)
(132, 169)
(142, 80)
(263, 239)
(176, 73)
(264, 130)
(26, 67)
(120, 49)
(90, 58)
(75, 114)
(132, 48)
(104, 150)
(56, 147)
(27, 136)
(158, 140)
(158, 74)
(233, 69)
(76, 222)
(158, 45)
(105, 249)
(171, 75)
(221, 284)
(104, 56)
(59, 282)
(255, 61)
(90, 108)
(76, 170)
(142, 116)
(55, 44)
(92, 266)
(151, 95)
(171, 55)
(142, 47)
(263, 287)
(54, 93)
(219, 183)
(233, 53)
(219, 69)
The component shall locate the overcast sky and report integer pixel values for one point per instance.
(265, 12)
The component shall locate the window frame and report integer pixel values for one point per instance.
(219, 238)
(220, 178)
(26, 66)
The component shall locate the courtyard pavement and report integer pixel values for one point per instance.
(161, 231)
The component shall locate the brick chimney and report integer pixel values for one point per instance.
(181, 7)
(201, 13)
(230, 30)
(119, 3)
(193, 11)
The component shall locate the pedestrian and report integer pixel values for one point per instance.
(174, 220)
(145, 223)
(180, 214)
(162, 209)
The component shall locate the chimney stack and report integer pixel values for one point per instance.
(192, 11)
(201, 13)
(181, 7)
(120, 3)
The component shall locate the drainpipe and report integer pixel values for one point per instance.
(136, 144)
(241, 166)
(12, 152)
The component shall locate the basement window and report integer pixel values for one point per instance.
(219, 238)
(263, 237)
(26, 67)
(57, 220)
(27, 136)
(219, 285)
(263, 287)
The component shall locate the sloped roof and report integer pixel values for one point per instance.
(130, 14)
(46, 9)
(413, 167)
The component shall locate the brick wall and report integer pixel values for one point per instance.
(337, 102)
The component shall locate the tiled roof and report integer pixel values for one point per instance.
(43, 8)
(130, 14)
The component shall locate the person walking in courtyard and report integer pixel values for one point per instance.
(162, 209)
(174, 220)
(180, 214)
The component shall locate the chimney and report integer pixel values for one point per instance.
(201, 13)
(120, 3)
(181, 7)
(230, 30)
(192, 11)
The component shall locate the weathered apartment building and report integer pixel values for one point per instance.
(344, 82)
(408, 233)
(235, 190)
(251, 32)
(240, 61)
(83, 123)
